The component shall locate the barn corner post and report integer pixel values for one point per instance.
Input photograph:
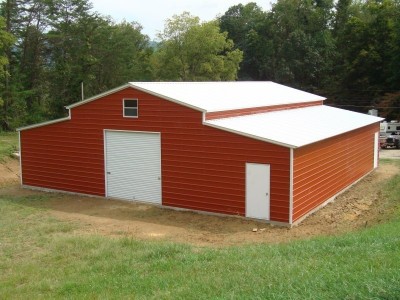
(376, 150)
(20, 157)
(291, 188)
(105, 164)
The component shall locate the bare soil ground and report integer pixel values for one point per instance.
(9, 171)
(360, 206)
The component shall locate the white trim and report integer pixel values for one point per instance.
(46, 123)
(376, 149)
(161, 171)
(137, 131)
(291, 186)
(137, 107)
(105, 164)
(120, 88)
(167, 98)
(117, 89)
(20, 157)
(254, 137)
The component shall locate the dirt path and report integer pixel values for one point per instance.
(360, 206)
(9, 171)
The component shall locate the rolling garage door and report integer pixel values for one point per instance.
(133, 165)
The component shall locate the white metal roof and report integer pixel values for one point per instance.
(295, 128)
(218, 95)
(226, 95)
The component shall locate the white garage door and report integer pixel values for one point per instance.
(133, 165)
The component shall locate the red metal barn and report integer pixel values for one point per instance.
(254, 149)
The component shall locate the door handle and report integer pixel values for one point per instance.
(109, 173)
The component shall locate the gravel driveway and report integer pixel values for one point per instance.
(389, 153)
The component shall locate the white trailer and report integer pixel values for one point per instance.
(390, 127)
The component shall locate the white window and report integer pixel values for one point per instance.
(130, 108)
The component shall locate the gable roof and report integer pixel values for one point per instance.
(291, 128)
(219, 96)
(295, 128)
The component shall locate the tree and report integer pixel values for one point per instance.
(84, 47)
(247, 26)
(389, 106)
(124, 57)
(303, 43)
(367, 40)
(26, 20)
(6, 40)
(190, 50)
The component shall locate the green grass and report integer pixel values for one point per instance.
(42, 257)
(8, 144)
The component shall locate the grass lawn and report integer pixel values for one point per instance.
(8, 144)
(42, 257)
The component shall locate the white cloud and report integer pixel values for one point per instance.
(152, 14)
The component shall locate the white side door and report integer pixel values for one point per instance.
(258, 191)
(133, 165)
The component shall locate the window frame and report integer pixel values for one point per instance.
(130, 108)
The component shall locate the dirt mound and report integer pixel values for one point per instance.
(9, 171)
(360, 206)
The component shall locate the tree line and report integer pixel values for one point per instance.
(346, 50)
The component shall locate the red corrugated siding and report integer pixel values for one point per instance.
(323, 169)
(257, 110)
(203, 168)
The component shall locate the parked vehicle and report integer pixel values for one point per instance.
(382, 139)
(389, 141)
(390, 127)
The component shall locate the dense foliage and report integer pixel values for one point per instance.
(191, 51)
(346, 50)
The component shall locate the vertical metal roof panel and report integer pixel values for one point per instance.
(296, 127)
(227, 95)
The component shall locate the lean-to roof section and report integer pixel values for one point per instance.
(295, 128)
(45, 123)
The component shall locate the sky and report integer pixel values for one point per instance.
(151, 14)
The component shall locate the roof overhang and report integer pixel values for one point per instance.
(115, 90)
(134, 86)
(44, 123)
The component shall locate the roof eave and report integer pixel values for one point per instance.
(251, 136)
(44, 123)
(166, 97)
(335, 135)
(117, 89)
(132, 85)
